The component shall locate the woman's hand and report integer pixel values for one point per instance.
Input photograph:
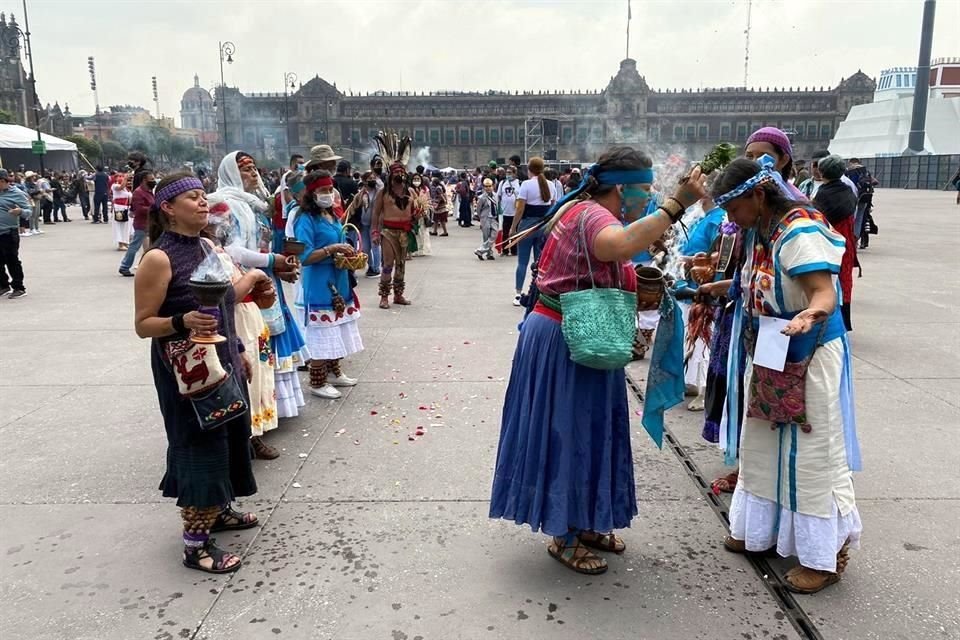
(341, 247)
(247, 366)
(258, 276)
(200, 322)
(693, 189)
(804, 321)
(712, 289)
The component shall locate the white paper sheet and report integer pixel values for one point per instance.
(771, 351)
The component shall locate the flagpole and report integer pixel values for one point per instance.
(629, 16)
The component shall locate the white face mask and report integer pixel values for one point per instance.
(324, 200)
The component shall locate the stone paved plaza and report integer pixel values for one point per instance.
(369, 535)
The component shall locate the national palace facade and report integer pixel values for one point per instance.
(471, 128)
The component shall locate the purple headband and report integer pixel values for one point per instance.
(176, 188)
(774, 136)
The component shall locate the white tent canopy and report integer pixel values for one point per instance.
(13, 136)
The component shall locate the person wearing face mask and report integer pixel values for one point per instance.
(393, 213)
(327, 300)
(507, 198)
(419, 185)
(564, 460)
(441, 206)
(140, 206)
(376, 166)
(487, 211)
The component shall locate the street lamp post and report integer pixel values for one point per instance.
(15, 44)
(227, 49)
(289, 80)
(91, 66)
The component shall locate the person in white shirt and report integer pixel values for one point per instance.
(533, 202)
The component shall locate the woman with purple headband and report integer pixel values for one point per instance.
(206, 470)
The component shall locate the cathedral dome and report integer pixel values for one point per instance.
(195, 95)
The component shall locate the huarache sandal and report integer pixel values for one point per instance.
(733, 545)
(577, 557)
(220, 559)
(807, 581)
(230, 520)
(609, 542)
(726, 484)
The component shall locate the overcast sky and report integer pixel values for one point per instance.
(412, 45)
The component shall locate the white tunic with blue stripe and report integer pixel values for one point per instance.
(805, 473)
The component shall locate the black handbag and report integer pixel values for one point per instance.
(120, 215)
(221, 404)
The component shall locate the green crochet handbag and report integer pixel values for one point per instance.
(599, 325)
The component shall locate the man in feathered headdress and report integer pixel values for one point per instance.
(393, 214)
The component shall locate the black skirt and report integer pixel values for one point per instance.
(204, 468)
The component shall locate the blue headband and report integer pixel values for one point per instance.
(766, 174)
(176, 188)
(614, 176)
(298, 186)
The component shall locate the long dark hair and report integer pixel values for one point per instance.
(157, 221)
(741, 170)
(307, 203)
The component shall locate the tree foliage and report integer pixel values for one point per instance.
(159, 144)
(89, 148)
(114, 153)
(6, 117)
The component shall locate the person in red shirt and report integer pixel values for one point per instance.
(140, 206)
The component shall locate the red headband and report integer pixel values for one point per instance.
(243, 161)
(324, 181)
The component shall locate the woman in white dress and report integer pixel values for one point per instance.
(798, 443)
(121, 223)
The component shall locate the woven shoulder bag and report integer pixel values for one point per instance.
(599, 325)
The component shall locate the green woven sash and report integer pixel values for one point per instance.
(599, 325)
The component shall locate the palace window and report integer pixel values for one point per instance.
(449, 136)
(703, 133)
(478, 136)
(582, 132)
(508, 135)
(317, 135)
(419, 137)
(494, 136)
(691, 132)
(825, 131)
(724, 132)
(434, 136)
(678, 133)
(464, 136)
(566, 136)
(741, 132)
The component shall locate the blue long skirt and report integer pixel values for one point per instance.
(564, 460)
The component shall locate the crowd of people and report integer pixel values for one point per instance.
(769, 243)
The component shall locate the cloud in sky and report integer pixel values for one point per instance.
(366, 45)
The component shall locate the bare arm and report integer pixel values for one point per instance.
(617, 244)
(150, 290)
(818, 287)
(246, 283)
(377, 215)
(518, 215)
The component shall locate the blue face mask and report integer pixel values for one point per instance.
(301, 167)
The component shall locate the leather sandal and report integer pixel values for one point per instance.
(577, 557)
(193, 557)
(609, 542)
(807, 581)
(733, 545)
(231, 520)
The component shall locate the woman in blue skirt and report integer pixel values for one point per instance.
(564, 463)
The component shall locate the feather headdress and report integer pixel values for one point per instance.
(392, 147)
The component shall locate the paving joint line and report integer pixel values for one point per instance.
(801, 622)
